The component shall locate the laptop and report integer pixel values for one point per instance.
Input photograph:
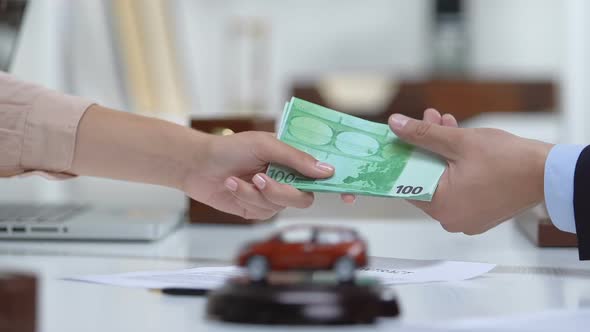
(84, 222)
(70, 221)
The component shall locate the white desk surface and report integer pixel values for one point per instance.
(527, 280)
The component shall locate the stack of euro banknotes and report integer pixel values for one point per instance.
(369, 158)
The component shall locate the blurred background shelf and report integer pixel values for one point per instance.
(462, 97)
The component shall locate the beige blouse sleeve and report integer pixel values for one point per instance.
(37, 128)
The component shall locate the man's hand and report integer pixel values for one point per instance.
(491, 176)
(230, 175)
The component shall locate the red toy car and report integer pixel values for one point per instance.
(306, 248)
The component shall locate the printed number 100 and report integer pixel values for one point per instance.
(408, 189)
(281, 176)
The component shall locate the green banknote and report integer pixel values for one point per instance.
(369, 158)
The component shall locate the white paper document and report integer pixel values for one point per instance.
(389, 271)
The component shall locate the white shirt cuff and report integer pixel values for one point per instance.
(560, 168)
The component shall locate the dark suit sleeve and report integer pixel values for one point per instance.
(582, 203)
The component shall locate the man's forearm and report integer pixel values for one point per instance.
(129, 147)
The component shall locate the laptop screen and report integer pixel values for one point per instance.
(11, 16)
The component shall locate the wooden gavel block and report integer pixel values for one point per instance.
(18, 302)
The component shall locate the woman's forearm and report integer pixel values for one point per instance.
(129, 147)
(59, 135)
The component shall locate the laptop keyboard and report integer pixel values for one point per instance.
(38, 213)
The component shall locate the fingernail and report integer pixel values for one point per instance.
(349, 199)
(398, 121)
(324, 167)
(259, 181)
(231, 184)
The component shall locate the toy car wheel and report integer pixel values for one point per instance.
(344, 269)
(257, 268)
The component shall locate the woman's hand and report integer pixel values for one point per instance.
(230, 175)
(225, 172)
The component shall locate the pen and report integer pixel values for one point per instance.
(182, 291)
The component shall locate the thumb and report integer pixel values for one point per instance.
(273, 150)
(432, 137)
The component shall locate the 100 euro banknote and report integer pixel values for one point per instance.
(369, 159)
